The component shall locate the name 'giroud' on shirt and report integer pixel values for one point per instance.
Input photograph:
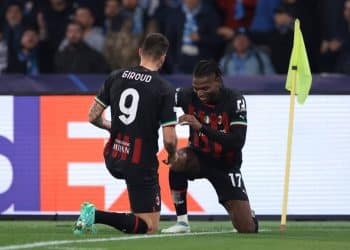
(136, 76)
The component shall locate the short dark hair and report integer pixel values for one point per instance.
(206, 68)
(14, 3)
(76, 24)
(155, 45)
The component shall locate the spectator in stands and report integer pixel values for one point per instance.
(281, 39)
(308, 12)
(132, 11)
(245, 59)
(77, 56)
(30, 8)
(343, 61)
(93, 35)
(13, 27)
(3, 52)
(192, 32)
(333, 31)
(121, 47)
(52, 20)
(96, 7)
(237, 13)
(161, 13)
(26, 61)
(113, 18)
(263, 20)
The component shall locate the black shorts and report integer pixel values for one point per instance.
(144, 199)
(227, 181)
(142, 183)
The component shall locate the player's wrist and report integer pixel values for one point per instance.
(198, 126)
(203, 129)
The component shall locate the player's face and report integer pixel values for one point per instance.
(207, 88)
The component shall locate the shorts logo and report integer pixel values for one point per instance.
(157, 200)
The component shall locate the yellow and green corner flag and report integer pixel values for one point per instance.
(298, 82)
(299, 59)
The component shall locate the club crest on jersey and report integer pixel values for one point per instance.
(219, 119)
(207, 119)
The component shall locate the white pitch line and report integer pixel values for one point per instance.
(62, 242)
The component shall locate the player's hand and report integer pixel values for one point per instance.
(171, 159)
(190, 120)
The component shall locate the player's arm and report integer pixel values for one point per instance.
(101, 102)
(170, 142)
(168, 121)
(96, 118)
(235, 138)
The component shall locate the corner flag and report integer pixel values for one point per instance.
(298, 82)
(299, 62)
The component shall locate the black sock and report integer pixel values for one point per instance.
(256, 222)
(127, 223)
(178, 186)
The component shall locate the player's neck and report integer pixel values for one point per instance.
(150, 65)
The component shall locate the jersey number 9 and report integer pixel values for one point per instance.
(129, 112)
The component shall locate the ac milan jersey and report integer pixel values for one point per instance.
(229, 112)
(141, 101)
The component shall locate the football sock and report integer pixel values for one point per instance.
(127, 223)
(256, 222)
(183, 218)
(178, 186)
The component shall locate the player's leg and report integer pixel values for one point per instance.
(186, 166)
(243, 219)
(233, 196)
(145, 205)
(178, 186)
(145, 201)
(151, 219)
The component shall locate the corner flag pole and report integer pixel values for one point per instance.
(289, 149)
(299, 80)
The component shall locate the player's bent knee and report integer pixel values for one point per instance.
(180, 164)
(245, 228)
(151, 222)
(187, 162)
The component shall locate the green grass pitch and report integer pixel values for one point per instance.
(205, 236)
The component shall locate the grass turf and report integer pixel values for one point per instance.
(299, 235)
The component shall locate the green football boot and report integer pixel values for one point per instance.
(86, 220)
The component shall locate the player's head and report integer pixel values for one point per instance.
(154, 48)
(207, 80)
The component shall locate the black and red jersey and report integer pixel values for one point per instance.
(224, 125)
(141, 101)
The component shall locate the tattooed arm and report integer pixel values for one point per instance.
(95, 116)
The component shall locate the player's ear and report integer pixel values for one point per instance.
(162, 58)
(140, 52)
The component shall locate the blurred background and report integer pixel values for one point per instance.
(248, 37)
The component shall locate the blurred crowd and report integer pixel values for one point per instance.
(248, 37)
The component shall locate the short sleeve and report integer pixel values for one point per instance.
(178, 97)
(167, 113)
(103, 97)
(239, 113)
